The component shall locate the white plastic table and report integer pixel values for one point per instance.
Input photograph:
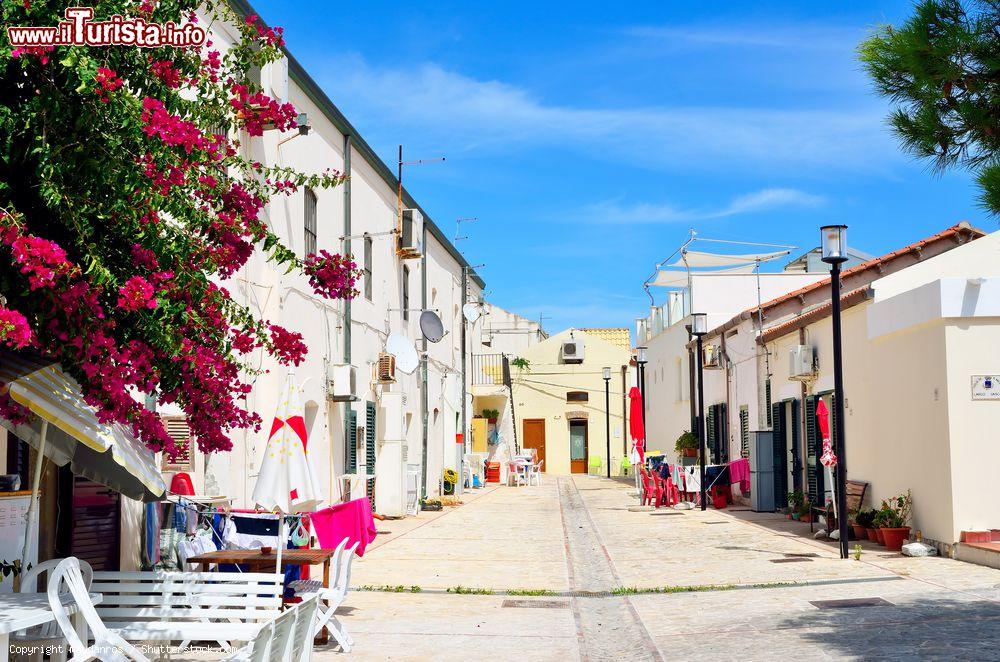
(25, 610)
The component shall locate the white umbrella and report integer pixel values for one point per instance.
(287, 483)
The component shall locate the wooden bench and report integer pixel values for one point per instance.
(188, 606)
(856, 491)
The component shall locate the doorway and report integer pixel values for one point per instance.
(534, 437)
(578, 447)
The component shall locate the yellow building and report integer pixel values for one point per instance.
(560, 404)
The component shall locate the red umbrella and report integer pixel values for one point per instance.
(828, 459)
(637, 428)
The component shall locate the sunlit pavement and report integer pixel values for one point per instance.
(574, 542)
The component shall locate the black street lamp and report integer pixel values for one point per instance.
(640, 364)
(699, 327)
(834, 246)
(607, 414)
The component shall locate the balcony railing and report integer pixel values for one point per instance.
(487, 370)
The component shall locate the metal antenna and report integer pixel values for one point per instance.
(458, 227)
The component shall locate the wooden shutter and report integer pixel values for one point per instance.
(351, 434)
(370, 422)
(744, 431)
(813, 450)
(796, 451)
(722, 436)
(767, 402)
(177, 428)
(710, 434)
(778, 449)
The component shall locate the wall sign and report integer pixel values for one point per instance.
(986, 387)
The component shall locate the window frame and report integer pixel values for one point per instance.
(310, 233)
(369, 250)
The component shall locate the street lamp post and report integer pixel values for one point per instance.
(699, 327)
(607, 414)
(640, 362)
(834, 246)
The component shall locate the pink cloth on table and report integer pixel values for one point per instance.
(739, 472)
(352, 520)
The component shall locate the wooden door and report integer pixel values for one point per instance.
(534, 437)
(578, 447)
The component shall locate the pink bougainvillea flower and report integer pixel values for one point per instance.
(136, 294)
(14, 329)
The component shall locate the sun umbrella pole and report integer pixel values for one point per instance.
(281, 541)
(36, 480)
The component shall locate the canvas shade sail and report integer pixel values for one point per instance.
(107, 454)
(679, 278)
(702, 259)
(287, 482)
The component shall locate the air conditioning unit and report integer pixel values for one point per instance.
(409, 237)
(486, 338)
(385, 369)
(711, 356)
(342, 384)
(801, 362)
(572, 351)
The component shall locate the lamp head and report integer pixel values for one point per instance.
(607, 374)
(640, 355)
(699, 324)
(833, 240)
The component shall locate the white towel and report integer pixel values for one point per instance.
(692, 479)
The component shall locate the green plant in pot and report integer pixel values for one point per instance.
(686, 445)
(805, 512)
(866, 520)
(881, 517)
(795, 501)
(895, 523)
(491, 415)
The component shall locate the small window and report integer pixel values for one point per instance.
(368, 267)
(577, 396)
(177, 428)
(406, 293)
(310, 222)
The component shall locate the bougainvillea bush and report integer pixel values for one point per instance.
(127, 199)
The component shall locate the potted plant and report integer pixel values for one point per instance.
(805, 512)
(881, 516)
(795, 501)
(491, 415)
(521, 364)
(686, 445)
(863, 524)
(895, 524)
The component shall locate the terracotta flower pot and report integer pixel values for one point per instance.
(859, 532)
(689, 452)
(879, 536)
(795, 516)
(871, 534)
(895, 537)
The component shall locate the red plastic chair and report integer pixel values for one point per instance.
(647, 488)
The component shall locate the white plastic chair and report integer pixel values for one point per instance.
(535, 473)
(518, 473)
(108, 646)
(256, 650)
(46, 636)
(281, 641)
(302, 640)
(334, 597)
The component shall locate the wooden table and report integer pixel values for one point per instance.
(258, 562)
(19, 611)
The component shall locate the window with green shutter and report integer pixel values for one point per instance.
(777, 411)
(744, 431)
(814, 449)
(710, 433)
(370, 422)
(351, 435)
(767, 402)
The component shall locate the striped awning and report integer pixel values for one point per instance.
(107, 454)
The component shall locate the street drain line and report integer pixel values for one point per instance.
(851, 603)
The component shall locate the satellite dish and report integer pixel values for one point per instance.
(406, 355)
(471, 312)
(431, 326)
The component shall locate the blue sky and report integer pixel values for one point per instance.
(588, 137)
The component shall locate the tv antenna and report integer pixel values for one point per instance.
(458, 227)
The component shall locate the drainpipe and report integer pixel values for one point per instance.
(624, 412)
(347, 302)
(426, 366)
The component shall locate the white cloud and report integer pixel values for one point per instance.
(614, 212)
(798, 37)
(457, 113)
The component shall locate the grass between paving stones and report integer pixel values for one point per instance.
(466, 590)
(386, 588)
(634, 590)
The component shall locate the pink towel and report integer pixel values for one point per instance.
(739, 472)
(352, 520)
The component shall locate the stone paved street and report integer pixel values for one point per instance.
(574, 540)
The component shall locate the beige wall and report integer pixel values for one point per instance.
(540, 393)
